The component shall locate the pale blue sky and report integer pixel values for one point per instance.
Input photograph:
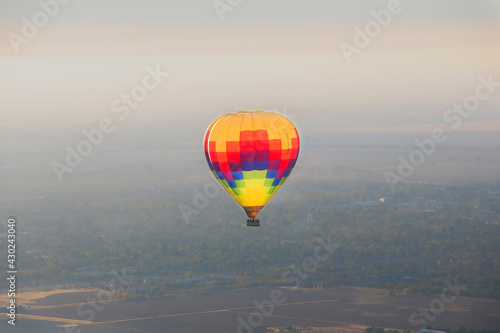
(253, 9)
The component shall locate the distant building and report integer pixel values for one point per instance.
(406, 205)
(432, 204)
(310, 219)
(371, 203)
(431, 331)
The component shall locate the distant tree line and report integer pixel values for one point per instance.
(448, 232)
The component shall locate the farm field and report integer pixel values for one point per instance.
(349, 309)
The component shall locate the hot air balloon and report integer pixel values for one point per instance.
(251, 153)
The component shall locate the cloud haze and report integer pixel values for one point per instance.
(264, 54)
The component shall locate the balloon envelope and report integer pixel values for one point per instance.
(251, 153)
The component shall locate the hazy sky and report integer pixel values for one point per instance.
(265, 54)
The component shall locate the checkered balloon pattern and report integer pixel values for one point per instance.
(251, 153)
